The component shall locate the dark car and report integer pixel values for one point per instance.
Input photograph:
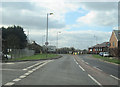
(101, 53)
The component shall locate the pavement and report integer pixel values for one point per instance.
(67, 70)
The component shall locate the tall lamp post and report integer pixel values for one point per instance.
(46, 43)
(57, 40)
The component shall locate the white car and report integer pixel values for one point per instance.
(106, 54)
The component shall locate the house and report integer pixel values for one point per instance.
(51, 49)
(115, 43)
(115, 39)
(103, 47)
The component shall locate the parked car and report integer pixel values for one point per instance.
(101, 53)
(106, 54)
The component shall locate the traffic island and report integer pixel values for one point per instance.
(35, 58)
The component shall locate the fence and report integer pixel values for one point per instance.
(18, 53)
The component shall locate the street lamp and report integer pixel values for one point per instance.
(46, 43)
(57, 39)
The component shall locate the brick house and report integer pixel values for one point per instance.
(115, 39)
(115, 43)
(103, 47)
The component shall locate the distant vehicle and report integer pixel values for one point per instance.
(7, 56)
(101, 53)
(106, 54)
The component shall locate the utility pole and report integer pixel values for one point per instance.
(46, 43)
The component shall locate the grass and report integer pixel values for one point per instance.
(109, 59)
(35, 57)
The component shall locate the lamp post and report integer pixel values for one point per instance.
(46, 43)
(57, 40)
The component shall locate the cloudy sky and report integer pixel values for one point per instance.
(82, 24)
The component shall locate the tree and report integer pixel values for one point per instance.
(13, 38)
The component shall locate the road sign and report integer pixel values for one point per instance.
(46, 43)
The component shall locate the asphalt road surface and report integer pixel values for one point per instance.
(68, 70)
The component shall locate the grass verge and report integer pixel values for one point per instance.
(35, 57)
(108, 59)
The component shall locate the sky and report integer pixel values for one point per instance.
(82, 24)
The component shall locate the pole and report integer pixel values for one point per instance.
(47, 37)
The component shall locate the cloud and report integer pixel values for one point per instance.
(78, 39)
(32, 16)
(100, 14)
(28, 15)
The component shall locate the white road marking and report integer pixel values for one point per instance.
(27, 73)
(97, 68)
(12, 69)
(30, 71)
(81, 68)
(86, 62)
(114, 77)
(76, 62)
(9, 83)
(15, 80)
(32, 66)
(83, 61)
(94, 79)
(34, 69)
(22, 76)
(8, 63)
(24, 69)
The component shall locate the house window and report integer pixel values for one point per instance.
(113, 44)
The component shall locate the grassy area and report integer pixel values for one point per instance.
(35, 57)
(109, 59)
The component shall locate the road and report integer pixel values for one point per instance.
(68, 70)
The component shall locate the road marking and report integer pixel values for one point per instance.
(114, 77)
(27, 73)
(22, 76)
(97, 68)
(81, 68)
(83, 61)
(24, 69)
(76, 62)
(34, 69)
(86, 62)
(30, 71)
(32, 66)
(8, 63)
(94, 79)
(9, 83)
(12, 69)
(15, 80)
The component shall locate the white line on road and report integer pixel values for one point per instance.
(27, 73)
(81, 68)
(114, 77)
(15, 80)
(76, 62)
(86, 62)
(9, 83)
(94, 79)
(32, 66)
(83, 61)
(22, 76)
(8, 63)
(97, 68)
